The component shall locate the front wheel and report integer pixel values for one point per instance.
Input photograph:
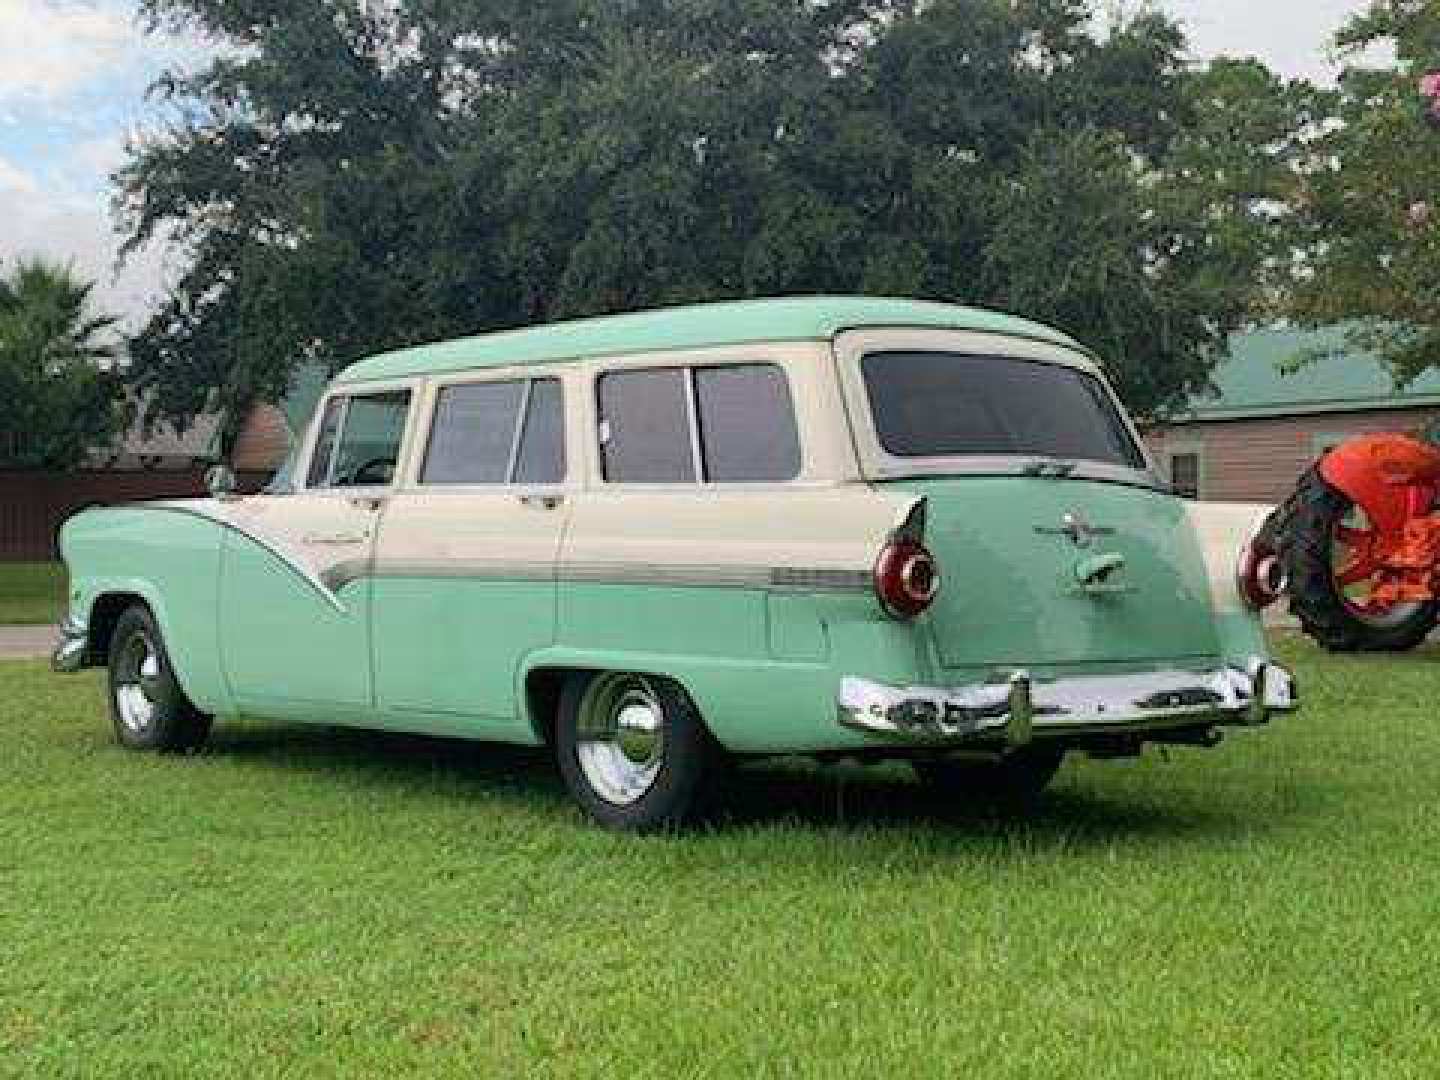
(147, 706)
(634, 751)
(1015, 781)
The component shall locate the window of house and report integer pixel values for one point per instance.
(1185, 475)
(510, 432)
(359, 440)
(728, 424)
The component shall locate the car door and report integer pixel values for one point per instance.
(465, 563)
(295, 591)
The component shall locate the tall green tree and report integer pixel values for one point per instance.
(1367, 209)
(350, 178)
(57, 402)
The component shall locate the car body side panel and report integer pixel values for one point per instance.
(170, 559)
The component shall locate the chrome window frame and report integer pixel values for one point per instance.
(347, 391)
(527, 376)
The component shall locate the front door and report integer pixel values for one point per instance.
(464, 575)
(295, 590)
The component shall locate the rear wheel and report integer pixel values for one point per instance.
(634, 751)
(1330, 562)
(147, 706)
(1016, 780)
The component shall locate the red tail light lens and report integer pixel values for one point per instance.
(1260, 577)
(907, 578)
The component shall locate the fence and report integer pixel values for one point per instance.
(33, 504)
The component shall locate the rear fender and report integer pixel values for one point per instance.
(1393, 478)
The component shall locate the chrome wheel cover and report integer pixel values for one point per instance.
(620, 737)
(137, 683)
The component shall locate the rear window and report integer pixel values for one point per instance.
(937, 404)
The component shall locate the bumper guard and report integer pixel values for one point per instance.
(72, 652)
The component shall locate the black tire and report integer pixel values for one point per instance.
(687, 763)
(1316, 599)
(1014, 782)
(148, 708)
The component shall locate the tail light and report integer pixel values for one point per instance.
(1260, 577)
(907, 578)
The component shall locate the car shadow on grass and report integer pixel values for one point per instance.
(780, 795)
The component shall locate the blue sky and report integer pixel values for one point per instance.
(73, 75)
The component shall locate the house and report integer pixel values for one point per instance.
(1276, 413)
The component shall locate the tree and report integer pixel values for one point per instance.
(352, 179)
(1368, 235)
(56, 402)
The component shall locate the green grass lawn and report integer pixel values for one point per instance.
(31, 592)
(299, 902)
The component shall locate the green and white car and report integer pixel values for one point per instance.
(833, 526)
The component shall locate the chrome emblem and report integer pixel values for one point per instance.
(1073, 525)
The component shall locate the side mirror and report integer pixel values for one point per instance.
(221, 483)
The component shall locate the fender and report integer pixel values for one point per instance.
(1393, 478)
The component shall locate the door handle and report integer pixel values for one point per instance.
(372, 503)
(543, 502)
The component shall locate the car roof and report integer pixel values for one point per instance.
(792, 318)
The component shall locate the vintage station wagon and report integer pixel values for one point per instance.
(841, 527)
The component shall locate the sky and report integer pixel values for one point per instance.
(73, 75)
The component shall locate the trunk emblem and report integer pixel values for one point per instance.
(1081, 533)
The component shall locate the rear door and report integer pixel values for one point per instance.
(1058, 542)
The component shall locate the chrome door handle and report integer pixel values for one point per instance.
(372, 503)
(543, 502)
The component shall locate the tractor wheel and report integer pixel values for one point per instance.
(1326, 557)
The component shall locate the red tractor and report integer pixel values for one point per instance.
(1359, 543)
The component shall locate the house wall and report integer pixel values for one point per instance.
(263, 442)
(1260, 460)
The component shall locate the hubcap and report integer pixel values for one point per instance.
(137, 683)
(621, 737)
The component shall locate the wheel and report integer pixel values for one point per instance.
(1016, 780)
(634, 751)
(147, 706)
(1329, 562)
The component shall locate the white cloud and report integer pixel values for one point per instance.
(13, 178)
(51, 47)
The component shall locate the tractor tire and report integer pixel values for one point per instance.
(1311, 517)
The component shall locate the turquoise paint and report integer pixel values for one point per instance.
(1010, 596)
(795, 629)
(452, 647)
(283, 643)
(797, 318)
(170, 560)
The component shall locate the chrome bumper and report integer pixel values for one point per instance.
(71, 653)
(1014, 711)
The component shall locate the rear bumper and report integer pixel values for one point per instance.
(1019, 709)
(72, 652)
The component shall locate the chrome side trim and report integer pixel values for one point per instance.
(781, 579)
(1016, 708)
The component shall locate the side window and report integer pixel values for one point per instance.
(497, 433)
(729, 424)
(541, 458)
(359, 441)
(747, 424)
(645, 427)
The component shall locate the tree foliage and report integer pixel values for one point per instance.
(56, 402)
(350, 179)
(1367, 209)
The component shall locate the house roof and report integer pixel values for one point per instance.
(1269, 373)
(797, 318)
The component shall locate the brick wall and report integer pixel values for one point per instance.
(33, 505)
(263, 441)
(1260, 460)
